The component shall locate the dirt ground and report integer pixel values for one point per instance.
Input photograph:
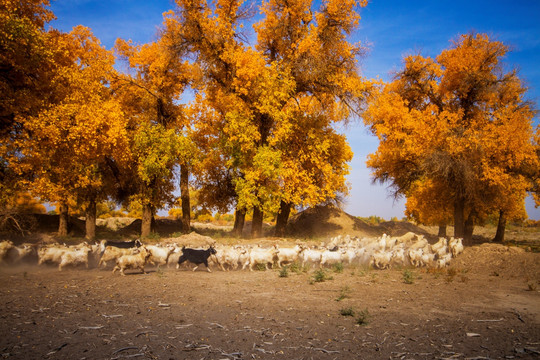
(485, 306)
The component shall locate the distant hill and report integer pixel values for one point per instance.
(328, 220)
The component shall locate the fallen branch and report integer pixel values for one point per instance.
(218, 325)
(183, 326)
(196, 347)
(324, 350)
(124, 349)
(111, 316)
(91, 327)
(234, 356)
(56, 350)
(144, 333)
(519, 317)
(127, 356)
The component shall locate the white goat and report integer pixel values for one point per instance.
(381, 260)
(287, 255)
(51, 253)
(443, 261)
(399, 257)
(113, 253)
(440, 247)
(260, 256)
(75, 256)
(349, 255)
(159, 255)
(311, 256)
(133, 261)
(229, 256)
(330, 257)
(456, 246)
(16, 254)
(5, 246)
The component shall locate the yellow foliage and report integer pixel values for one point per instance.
(64, 144)
(455, 132)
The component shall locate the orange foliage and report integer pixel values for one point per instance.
(455, 133)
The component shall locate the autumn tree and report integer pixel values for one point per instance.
(429, 204)
(302, 62)
(62, 149)
(150, 91)
(460, 123)
(313, 45)
(314, 158)
(240, 88)
(27, 61)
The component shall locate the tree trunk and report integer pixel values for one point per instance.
(239, 220)
(282, 218)
(442, 230)
(147, 215)
(459, 218)
(91, 220)
(501, 227)
(63, 219)
(256, 223)
(469, 229)
(184, 195)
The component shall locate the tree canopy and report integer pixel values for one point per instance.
(456, 135)
(259, 134)
(81, 124)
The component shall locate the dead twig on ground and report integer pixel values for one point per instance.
(196, 347)
(124, 349)
(54, 351)
(91, 327)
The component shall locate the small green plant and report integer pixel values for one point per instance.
(408, 276)
(320, 275)
(338, 268)
(347, 311)
(284, 272)
(160, 273)
(362, 317)
(260, 267)
(345, 293)
(297, 268)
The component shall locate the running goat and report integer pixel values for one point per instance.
(196, 257)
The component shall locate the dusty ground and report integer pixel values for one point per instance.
(487, 305)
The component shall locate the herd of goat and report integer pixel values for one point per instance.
(380, 253)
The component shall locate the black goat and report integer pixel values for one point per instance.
(124, 244)
(196, 256)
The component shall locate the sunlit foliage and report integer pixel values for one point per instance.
(455, 135)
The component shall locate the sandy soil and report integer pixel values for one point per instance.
(486, 305)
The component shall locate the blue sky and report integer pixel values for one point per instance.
(390, 28)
